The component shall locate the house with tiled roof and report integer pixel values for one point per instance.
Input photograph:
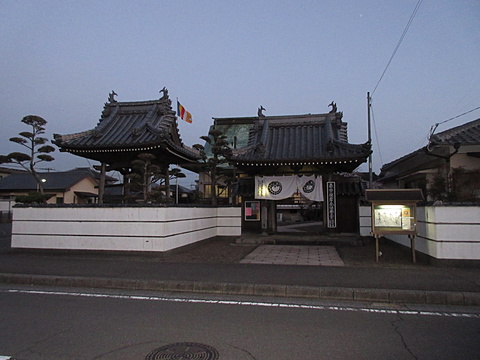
(77, 186)
(6, 171)
(453, 152)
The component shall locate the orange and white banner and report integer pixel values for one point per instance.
(184, 114)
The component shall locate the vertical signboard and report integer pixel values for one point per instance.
(331, 205)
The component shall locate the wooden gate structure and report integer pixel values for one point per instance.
(310, 144)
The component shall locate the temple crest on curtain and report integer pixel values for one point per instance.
(283, 187)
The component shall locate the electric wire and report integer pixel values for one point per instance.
(376, 136)
(435, 126)
(453, 118)
(404, 33)
(417, 6)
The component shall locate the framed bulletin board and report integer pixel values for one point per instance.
(394, 212)
(398, 218)
(252, 210)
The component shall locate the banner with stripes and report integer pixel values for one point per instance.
(183, 113)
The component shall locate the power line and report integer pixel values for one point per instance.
(399, 42)
(434, 127)
(455, 117)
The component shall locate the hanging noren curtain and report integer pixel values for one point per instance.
(311, 187)
(283, 187)
(275, 187)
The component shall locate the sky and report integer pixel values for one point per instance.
(221, 58)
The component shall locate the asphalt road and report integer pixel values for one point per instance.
(41, 323)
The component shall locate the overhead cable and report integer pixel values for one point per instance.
(434, 127)
(417, 6)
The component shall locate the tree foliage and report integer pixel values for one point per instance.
(150, 179)
(459, 186)
(220, 152)
(35, 143)
(160, 191)
(33, 198)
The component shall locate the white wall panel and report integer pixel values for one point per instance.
(444, 232)
(121, 229)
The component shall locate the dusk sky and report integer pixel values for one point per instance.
(60, 59)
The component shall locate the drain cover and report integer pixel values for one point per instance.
(183, 351)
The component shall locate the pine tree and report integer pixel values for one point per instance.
(220, 153)
(146, 174)
(35, 143)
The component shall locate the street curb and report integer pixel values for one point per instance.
(394, 296)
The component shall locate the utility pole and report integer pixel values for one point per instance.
(370, 174)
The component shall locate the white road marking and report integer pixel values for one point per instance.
(3, 357)
(248, 303)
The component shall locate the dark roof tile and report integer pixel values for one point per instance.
(301, 140)
(53, 180)
(130, 126)
(466, 134)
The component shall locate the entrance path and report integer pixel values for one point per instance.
(294, 255)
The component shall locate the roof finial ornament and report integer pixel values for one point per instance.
(260, 111)
(111, 97)
(165, 93)
(334, 107)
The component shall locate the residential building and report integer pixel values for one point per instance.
(77, 186)
(451, 161)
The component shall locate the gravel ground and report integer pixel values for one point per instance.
(228, 252)
(393, 254)
(211, 251)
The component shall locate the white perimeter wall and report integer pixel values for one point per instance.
(444, 232)
(120, 228)
(6, 205)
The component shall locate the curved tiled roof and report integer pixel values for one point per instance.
(302, 141)
(130, 127)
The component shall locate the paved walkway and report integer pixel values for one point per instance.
(294, 255)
